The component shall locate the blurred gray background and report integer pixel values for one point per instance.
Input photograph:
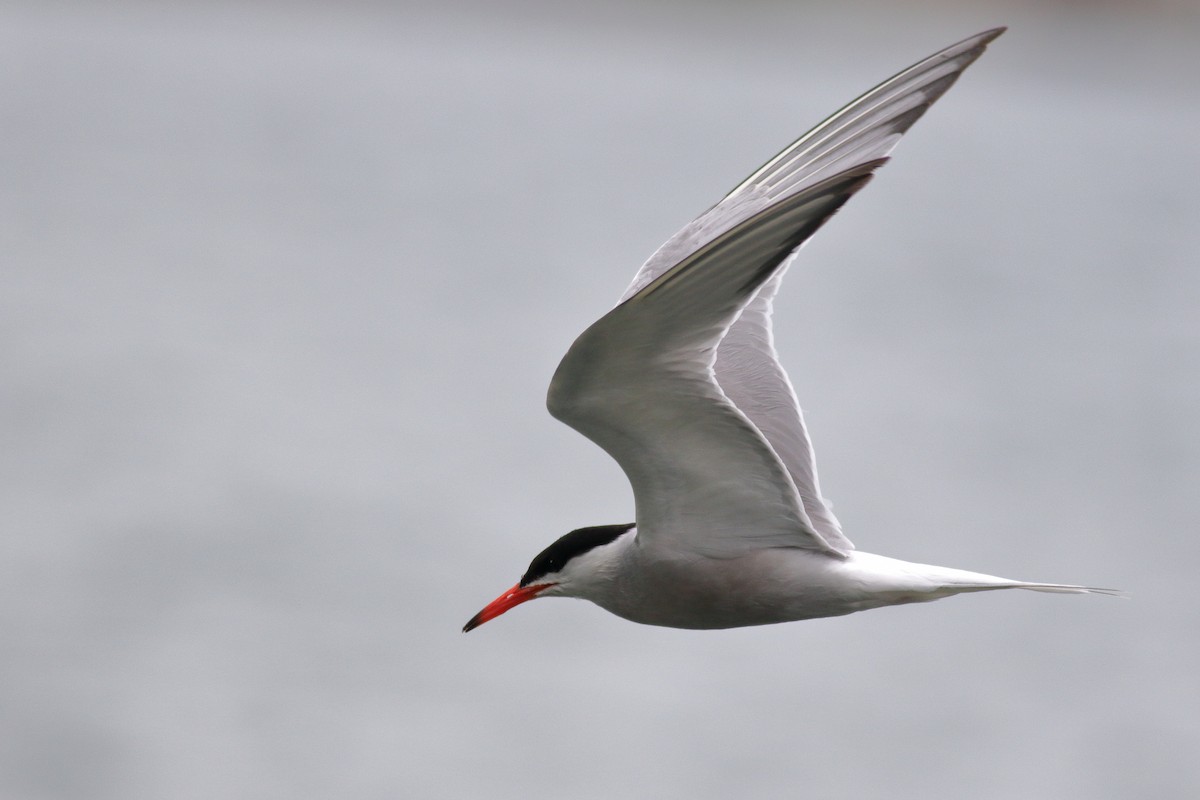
(282, 286)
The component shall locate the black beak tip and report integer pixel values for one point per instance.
(472, 624)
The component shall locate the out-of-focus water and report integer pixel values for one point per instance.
(280, 293)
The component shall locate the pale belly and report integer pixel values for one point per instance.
(761, 588)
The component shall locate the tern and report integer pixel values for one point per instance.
(680, 383)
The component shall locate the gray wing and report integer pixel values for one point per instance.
(680, 383)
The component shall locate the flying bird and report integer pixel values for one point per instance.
(681, 384)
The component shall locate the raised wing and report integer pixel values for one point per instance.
(640, 382)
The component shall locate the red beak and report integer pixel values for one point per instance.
(513, 597)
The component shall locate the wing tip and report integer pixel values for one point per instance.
(959, 56)
(979, 40)
(991, 34)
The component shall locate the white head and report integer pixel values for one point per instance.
(581, 562)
